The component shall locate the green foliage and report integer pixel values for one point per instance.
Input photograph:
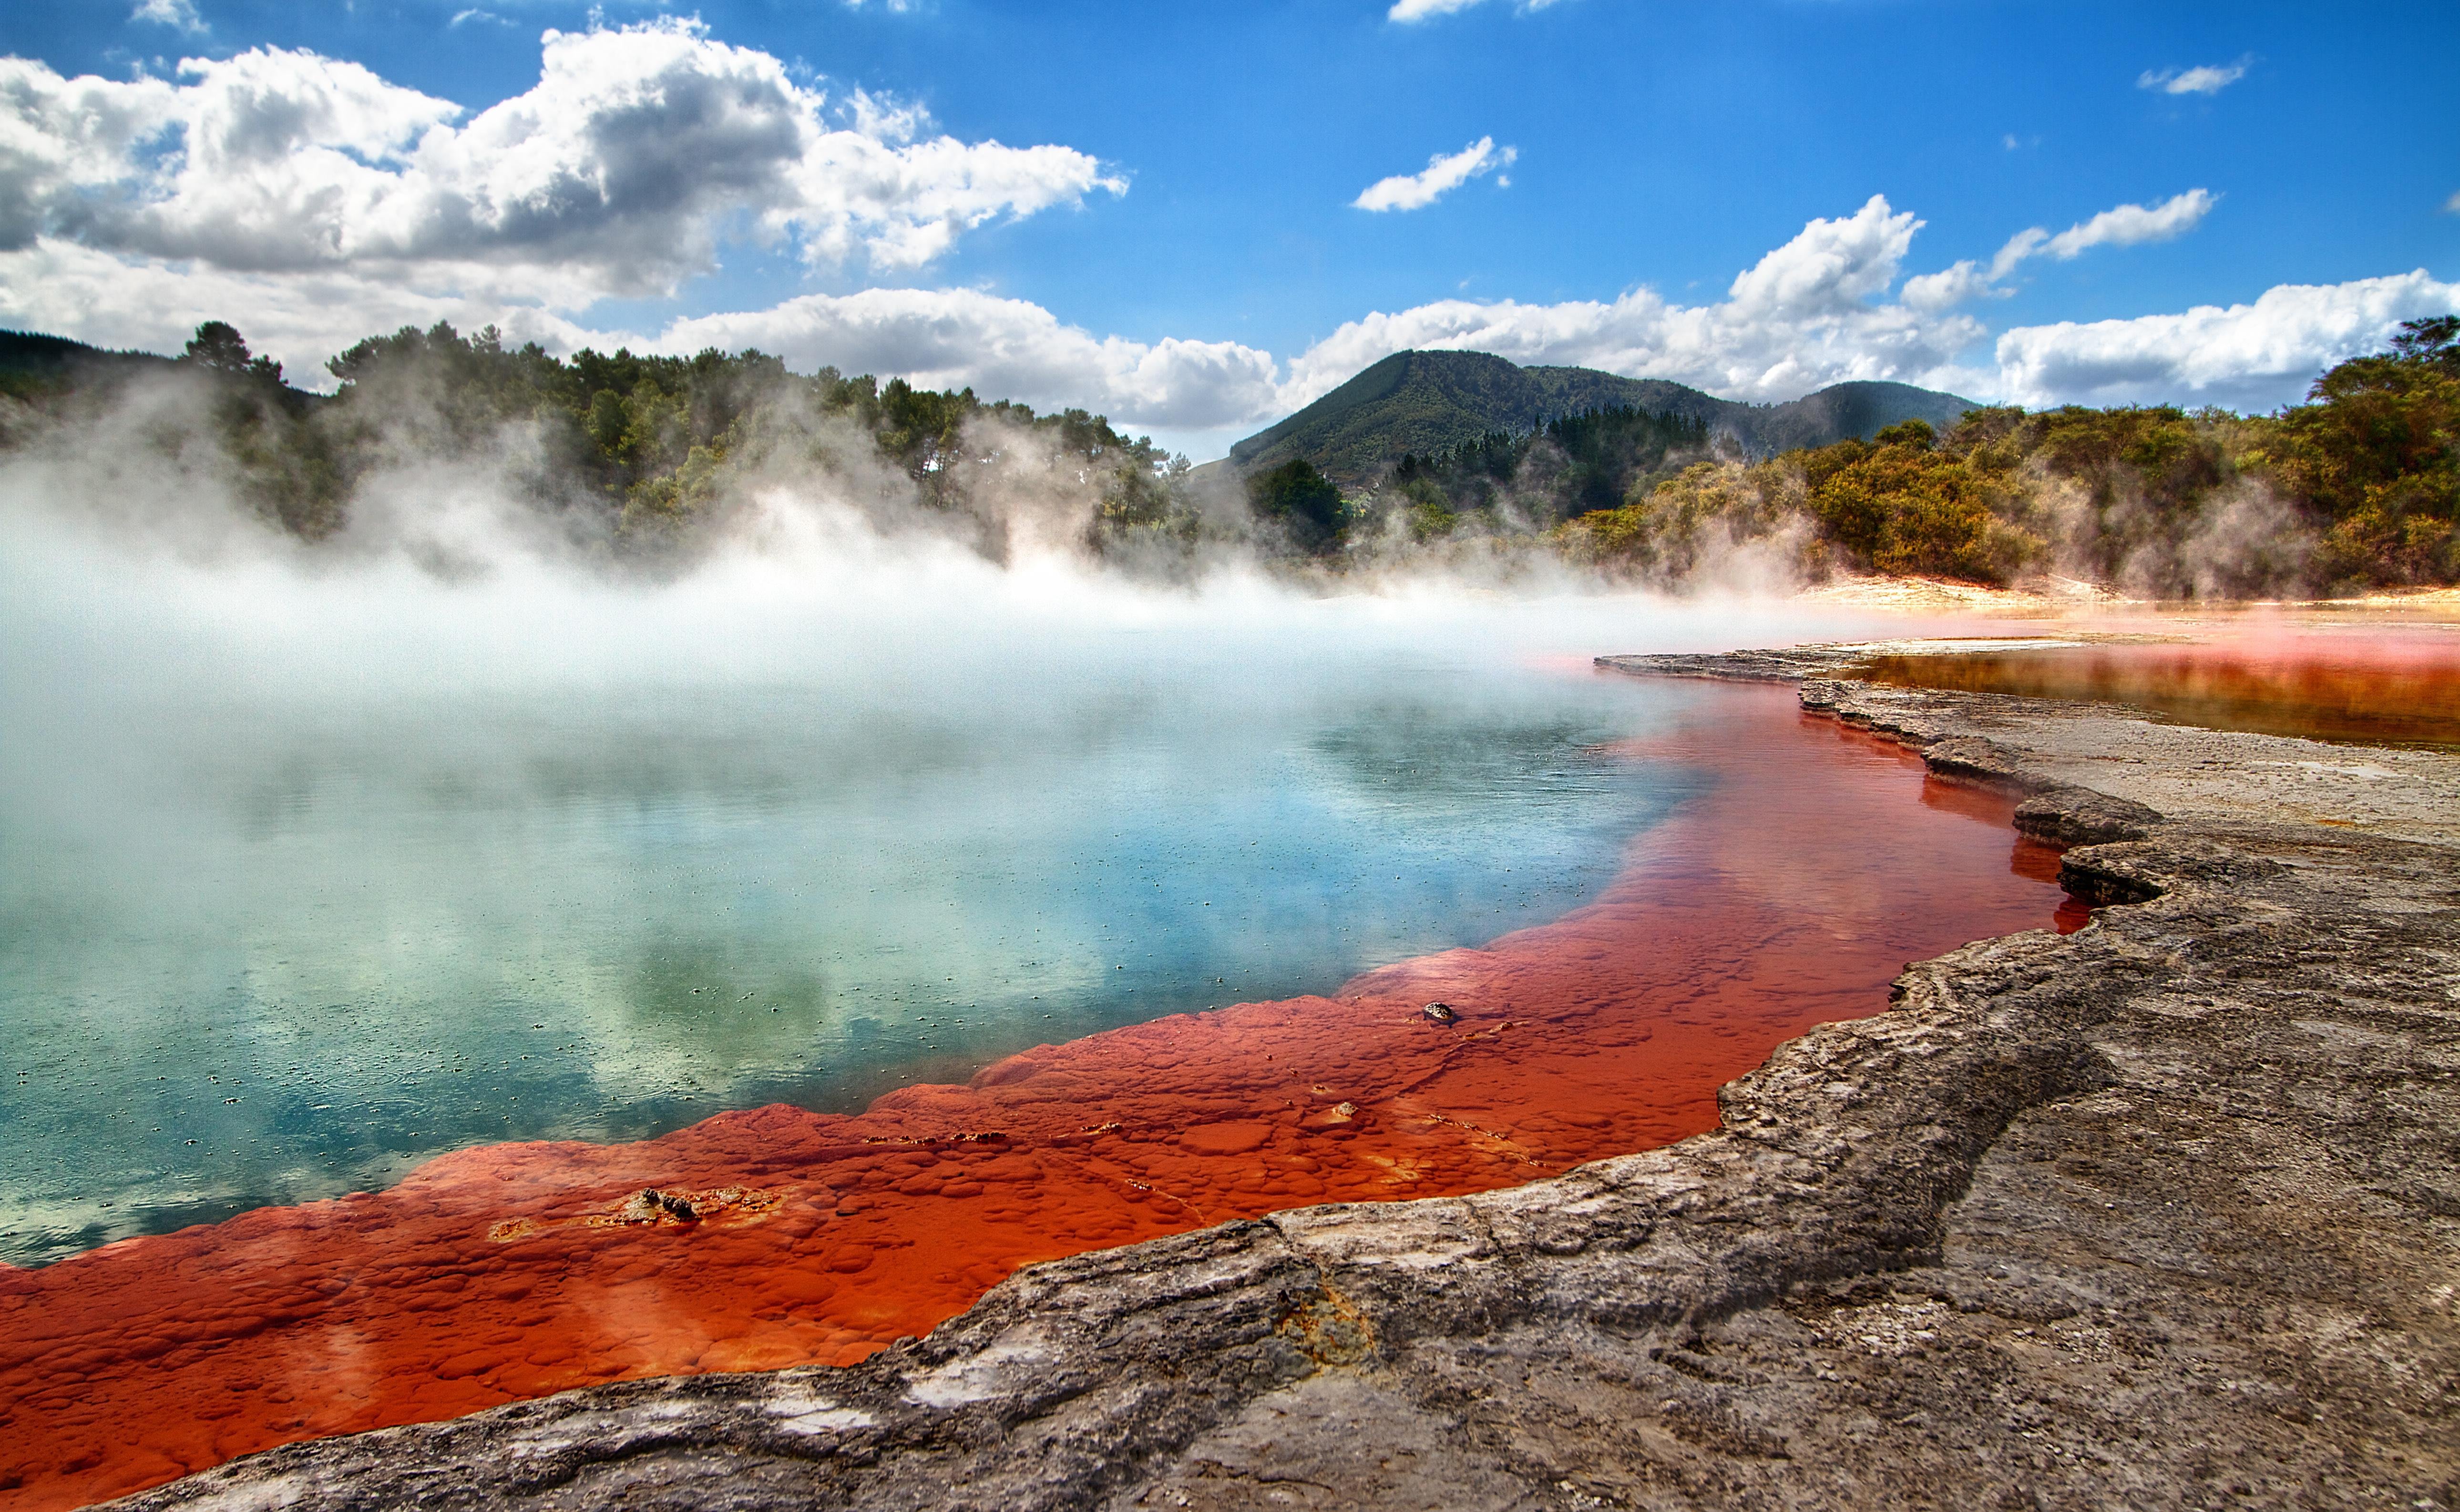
(1905, 505)
(654, 447)
(2358, 487)
(1671, 527)
(1303, 502)
(1569, 464)
(2377, 451)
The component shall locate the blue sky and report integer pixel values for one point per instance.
(1189, 252)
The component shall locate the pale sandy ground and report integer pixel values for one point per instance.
(2068, 597)
(2042, 598)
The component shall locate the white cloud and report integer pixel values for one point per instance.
(298, 319)
(1826, 307)
(1829, 266)
(2209, 79)
(2122, 225)
(1814, 313)
(2452, 205)
(1444, 173)
(1950, 286)
(1004, 349)
(180, 13)
(617, 172)
(2245, 355)
(2133, 224)
(1805, 315)
(1408, 10)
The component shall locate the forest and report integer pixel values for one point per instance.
(644, 460)
(2357, 488)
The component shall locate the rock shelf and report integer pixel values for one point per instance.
(2162, 1212)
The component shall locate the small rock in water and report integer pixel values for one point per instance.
(649, 1203)
(1440, 1013)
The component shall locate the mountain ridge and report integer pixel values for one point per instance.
(1422, 401)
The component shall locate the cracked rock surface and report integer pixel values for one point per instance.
(2162, 1213)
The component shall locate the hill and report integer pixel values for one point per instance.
(31, 359)
(1423, 401)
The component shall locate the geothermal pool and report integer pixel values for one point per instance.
(2356, 681)
(421, 995)
(264, 960)
(1737, 873)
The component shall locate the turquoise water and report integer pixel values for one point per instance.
(276, 936)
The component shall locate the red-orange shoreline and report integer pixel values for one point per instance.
(772, 1236)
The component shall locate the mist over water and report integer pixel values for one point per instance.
(315, 866)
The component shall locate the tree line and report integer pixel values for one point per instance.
(2358, 487)
(647, 456)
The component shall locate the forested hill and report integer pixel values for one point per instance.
(1422, 402)
(28, 359)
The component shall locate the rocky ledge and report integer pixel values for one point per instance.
(2165, 1213)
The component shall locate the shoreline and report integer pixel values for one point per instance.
(510, 1272)
(2156, 1213)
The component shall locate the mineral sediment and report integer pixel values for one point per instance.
(2162, 1212)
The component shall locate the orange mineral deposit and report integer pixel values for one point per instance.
(1790, 893)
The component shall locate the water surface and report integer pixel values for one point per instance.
(256, 950)
(2374, 686)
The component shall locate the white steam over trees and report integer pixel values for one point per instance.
(649, 463)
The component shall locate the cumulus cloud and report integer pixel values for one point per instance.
(1817, 311)
(2253, 355)
(297, 319)
(1805, 315)
(2122, 225)
(180, 14)
(1829, 305)
(1444, 173)
(617, 174)
(1003, 348)
(2209, 79)
(1811, 312)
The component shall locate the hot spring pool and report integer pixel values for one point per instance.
(260, 948)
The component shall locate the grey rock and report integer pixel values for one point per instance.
(2165, 1213)
(1974, 758)
(2069, 815)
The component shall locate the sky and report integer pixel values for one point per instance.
(1198, 218)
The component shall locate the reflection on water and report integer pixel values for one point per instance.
(2384, 689)
(253, 955)
(1808, 864)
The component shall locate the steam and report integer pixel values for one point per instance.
(325, 819)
